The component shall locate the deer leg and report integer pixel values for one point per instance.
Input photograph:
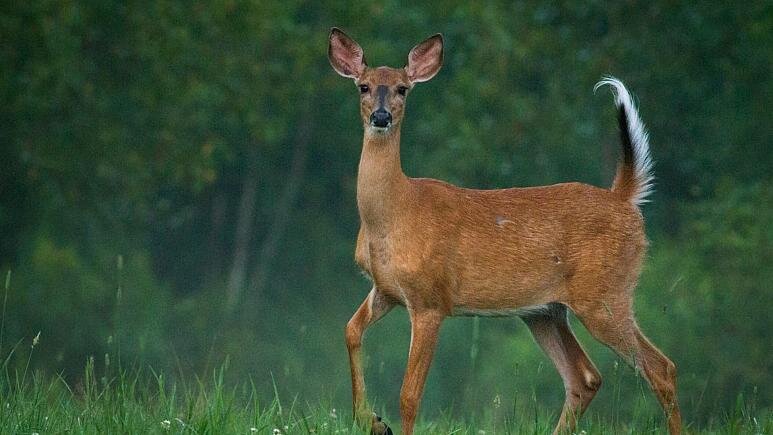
(661, 374)
(425, 327)
(581, 378)
(614, 325)
(375, 306)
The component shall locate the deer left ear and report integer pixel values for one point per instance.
(425, 59)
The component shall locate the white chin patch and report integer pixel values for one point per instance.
(380, 130)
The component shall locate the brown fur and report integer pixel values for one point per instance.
(441, 250)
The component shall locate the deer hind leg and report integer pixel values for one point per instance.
(375, 306)
(581, 378)
(613, 324)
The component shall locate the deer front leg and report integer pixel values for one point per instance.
(425, 326)
(372, 309)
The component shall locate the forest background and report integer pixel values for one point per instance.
(177, 184)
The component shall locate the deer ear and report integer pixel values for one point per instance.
(425, 59)
(345, 55)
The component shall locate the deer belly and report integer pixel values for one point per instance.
(525, 311)
(508, 290)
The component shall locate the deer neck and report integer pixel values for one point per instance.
(381, 182)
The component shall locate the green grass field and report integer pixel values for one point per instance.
(142, 401)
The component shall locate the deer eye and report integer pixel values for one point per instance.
(364, 89)
(402, 90)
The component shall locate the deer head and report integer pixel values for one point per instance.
(383, 90)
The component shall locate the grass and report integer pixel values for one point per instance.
(141, 401)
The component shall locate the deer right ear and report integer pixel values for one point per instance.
(345, 55)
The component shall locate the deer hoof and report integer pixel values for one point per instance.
(379, 427)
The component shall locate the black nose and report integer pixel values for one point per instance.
(380, 118)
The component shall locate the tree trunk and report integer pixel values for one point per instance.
(215, 244)
(282, 212)
(244, 228)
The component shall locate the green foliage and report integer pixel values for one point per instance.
(132, 135)
(82, 307)
(714, 294)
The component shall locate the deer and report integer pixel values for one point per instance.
(533, 252)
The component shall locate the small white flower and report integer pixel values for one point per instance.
(277, 431)
(254, 430)
(166, 424)
(333, 413)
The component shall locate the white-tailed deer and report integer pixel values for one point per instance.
(441, 250)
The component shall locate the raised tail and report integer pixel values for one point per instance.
(633, 180)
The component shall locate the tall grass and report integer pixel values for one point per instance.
(106, 400)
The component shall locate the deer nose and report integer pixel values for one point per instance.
(380, 118)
